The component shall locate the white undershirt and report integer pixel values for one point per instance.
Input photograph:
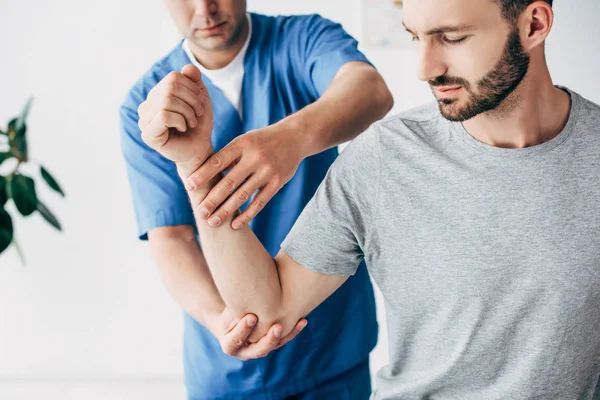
(229, 78)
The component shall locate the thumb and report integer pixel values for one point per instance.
(192, 72)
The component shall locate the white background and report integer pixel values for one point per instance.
(88, 318)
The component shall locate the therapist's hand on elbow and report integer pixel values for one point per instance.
(176, 119)
(262, 160)
(233, 336)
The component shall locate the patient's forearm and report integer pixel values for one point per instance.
(244, 272)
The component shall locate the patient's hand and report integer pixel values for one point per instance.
(176, 119)
(233, 336)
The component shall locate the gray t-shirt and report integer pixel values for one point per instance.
(488, 258)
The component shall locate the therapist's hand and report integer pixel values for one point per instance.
(262, 160)
(233, 336)
(176, 119)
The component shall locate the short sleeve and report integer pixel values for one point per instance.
(337, 225)
(159, 197)
(323, 48)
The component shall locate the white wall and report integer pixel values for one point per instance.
(88, 316)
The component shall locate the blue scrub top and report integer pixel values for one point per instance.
(290, 62)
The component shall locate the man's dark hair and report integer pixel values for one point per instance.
(512, 9)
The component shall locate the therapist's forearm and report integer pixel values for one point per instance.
(186, 276)
(357, 97)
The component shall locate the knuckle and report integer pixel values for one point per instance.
(277, 181)
(259, 204)
(210, 204)
(224, 213)
(169, 100)
(228, 183)
(217, 160)
(172, 87)
(163, 116)
(227, 349)
(243, 196)
(171, 77)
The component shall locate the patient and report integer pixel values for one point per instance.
(478, 216)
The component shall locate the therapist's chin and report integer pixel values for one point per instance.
(212, 42)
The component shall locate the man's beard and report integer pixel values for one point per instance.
(492, 89)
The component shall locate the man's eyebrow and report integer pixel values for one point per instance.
(443, 29)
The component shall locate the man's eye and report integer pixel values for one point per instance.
(454, 41)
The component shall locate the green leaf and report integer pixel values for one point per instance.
(51, 181)
(6, 230)
(5, 156)
(48, 216)
(20, 124)
(22, 191)
(15, 128)
(17, 139)
(3, 192)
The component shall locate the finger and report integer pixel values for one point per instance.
(258, 203)
(239, 198)
(238, 334)
(220, 193)
(264, 346)
(157, 133)
(290, 336)
(174, 104)
(191, 97)
(143, 119)
(192, 72)
(175, 79)
(216, 164)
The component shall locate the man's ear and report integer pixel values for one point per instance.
(535, 24)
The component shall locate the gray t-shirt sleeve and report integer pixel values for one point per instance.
(335, 227)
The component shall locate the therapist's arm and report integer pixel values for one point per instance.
(278, 291)
(268, 158)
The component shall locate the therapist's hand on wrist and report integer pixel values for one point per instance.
(262, 160)
(176, 119)
(233, 336)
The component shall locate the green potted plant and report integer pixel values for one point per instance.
(17, 187)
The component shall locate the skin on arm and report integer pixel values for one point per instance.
(186, 276)
(243, 271)
(266, 159)
(250, 281)
(174, 108)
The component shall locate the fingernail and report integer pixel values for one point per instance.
(251, 321)
(191, 185)
(277, 332)
(194, 123)
(214, 221)
(203, 212)
(236, 225)
(302, 326)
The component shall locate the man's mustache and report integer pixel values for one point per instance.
(445, 80)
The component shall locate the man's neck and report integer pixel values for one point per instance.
(534, 113)
(217, 59)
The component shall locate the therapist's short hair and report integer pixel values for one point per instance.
(512, 9)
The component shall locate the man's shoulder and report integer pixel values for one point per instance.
(173, 61)
(423, 120)
(290, 22)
